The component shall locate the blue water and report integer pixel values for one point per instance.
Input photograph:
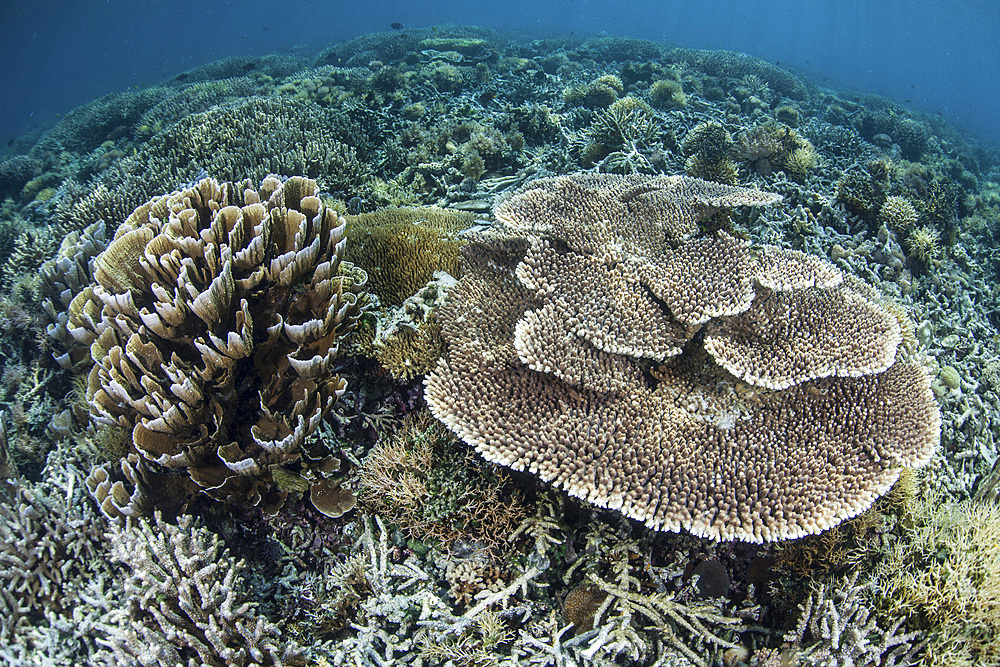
(940, 57)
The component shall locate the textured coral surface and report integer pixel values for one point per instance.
(779, 409)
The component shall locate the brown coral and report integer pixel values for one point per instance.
(213, 324)
(685, 444)
(605, 214)
(403, 247)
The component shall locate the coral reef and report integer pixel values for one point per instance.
(450, 118)
(710, 149)
(406, 341)
(562, 342)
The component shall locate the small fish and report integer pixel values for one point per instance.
(487, 97)
(396, 26)
(10, 142)
(907, 101)
(182, 76)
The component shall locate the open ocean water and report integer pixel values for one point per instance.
(529, 333)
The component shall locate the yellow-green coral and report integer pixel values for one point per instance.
(924, 244)
(600, 92)
(435, 489)
(898, 214)
(944, 575)
(667, 93)
(620, 134)
(777, 146)
(403, 247)
(709, 148)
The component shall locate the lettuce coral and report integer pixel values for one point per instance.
(214, 321)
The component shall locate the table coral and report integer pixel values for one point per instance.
(736, 392)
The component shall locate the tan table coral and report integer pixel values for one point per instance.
(689, 380)
(213, 324)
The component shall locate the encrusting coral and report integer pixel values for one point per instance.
(691, 382)
(213, 324)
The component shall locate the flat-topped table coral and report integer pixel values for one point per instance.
(603, 342)
(213, 322)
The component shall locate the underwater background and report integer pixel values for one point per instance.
(455, 333)
(942, 57)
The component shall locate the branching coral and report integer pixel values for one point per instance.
(51, 566)
(776, 146)
(842, 630)
(420, 481)
(186, 603)
(622, 136)
(213, 323)
(700, 623)
(943, 575)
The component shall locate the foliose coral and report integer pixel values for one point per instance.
(65, 276)
(213, 322)
(690, 383)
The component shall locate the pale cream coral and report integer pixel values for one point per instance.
(791, 414)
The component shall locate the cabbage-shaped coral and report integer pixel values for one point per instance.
(214, 321)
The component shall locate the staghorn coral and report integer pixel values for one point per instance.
(673, 444)
(213, 323)
(842, 629)
(943, 576)
(689, 626)
(186, 602)
(52, 565)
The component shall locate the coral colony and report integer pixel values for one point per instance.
(440, 348)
